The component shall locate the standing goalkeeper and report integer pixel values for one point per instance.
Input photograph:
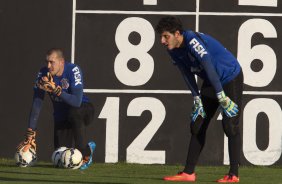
(200, 54)
(72, 110)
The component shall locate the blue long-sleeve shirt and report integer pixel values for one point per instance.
(205, 57)
(72, 95)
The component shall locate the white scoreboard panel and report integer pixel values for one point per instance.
(142, 103)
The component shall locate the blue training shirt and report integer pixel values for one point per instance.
(71, 82)
(205, 57)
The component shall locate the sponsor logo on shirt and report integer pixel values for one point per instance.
(65, 83)
(77, 76)
(198, 47)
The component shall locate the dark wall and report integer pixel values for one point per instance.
(152, 111)
(28, 30)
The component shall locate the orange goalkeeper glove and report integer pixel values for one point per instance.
(29, 141)
(46, 83)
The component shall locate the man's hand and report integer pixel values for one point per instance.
(28, 142)
(42, 84)
(46, 83)
(228, 106)
(197, 109)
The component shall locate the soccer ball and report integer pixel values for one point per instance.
(25, 159)
(71, 158)
(56, 156)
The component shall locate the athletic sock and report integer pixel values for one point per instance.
(189, 169)
(234, 169)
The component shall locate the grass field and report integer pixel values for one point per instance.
(123, 173)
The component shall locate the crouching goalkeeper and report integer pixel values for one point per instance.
(73, 111)
(200, 54)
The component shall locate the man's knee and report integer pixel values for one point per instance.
(74, 112)
(75, 116)
(197, 126)
(83, 114)
(89, 115)
(231, 128)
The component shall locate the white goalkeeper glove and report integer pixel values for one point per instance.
(227, 106)
(197, 109)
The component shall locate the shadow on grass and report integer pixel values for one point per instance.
(45, 165)
(17, 172)
(51, 181)
(132, 177)
(147, 179)
(8, 165)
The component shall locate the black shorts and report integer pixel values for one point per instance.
(234, 90)
(73, 129)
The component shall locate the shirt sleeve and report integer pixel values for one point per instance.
(189, 79)
(74, 97)
(199, 50)
(38, 97)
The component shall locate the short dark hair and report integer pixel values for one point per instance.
(58, 51)
(170, 24)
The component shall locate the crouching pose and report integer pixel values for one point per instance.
(73, 111)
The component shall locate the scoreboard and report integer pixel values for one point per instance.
(142, 103)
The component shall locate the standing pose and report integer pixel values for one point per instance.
(199, 54)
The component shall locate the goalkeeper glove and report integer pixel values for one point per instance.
(227, 106)
(46, 83)
(29, 141)
(197, 109)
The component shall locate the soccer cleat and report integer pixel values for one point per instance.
(229, 178)
(181, 177)
(87, 161)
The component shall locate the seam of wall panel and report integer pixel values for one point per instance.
(73, 30)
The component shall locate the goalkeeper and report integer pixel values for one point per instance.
(73, 111)
(200, 54)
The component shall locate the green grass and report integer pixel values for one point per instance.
(123, 173)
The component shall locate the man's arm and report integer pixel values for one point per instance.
(30, 134)
(76, 84)
(189, 79)
(199, 50)
(212, 75)
(75, 94)
(74, 99)
(35, 110)
(38, 97)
